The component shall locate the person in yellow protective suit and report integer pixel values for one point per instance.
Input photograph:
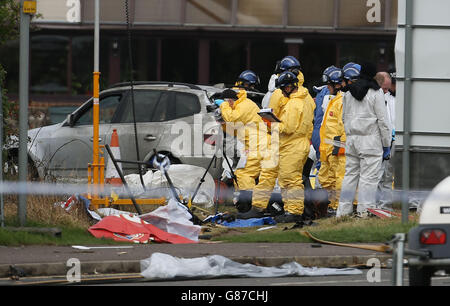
(269, 172)
(332, 139)
(294, 130)
(269, 166)
(241, 116)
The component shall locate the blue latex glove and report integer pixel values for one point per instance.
(386, 153)
(393, 134)
(218, 102)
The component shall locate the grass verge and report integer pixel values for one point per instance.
(70, 236)
(42, 212)
(346, 230)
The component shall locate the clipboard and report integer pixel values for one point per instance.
(266, 113)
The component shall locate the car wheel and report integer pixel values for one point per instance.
(420, 276)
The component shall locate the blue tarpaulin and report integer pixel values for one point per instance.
(249, 222)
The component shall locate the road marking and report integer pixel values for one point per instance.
(330, 282)
(327, 282)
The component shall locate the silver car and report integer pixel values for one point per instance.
(176, 119)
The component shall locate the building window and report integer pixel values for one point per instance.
(311, 13)
(144, 53)
(228, 59)
(179, 62)
(260, 12)
(10, 51)
(379, 53)
(82, 64)
(145, 59)
(208, 11)
(314, 57)
(264, 56)
(49, 64)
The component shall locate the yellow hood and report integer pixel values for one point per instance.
(301, 93)
(301, 79)
(242, 95)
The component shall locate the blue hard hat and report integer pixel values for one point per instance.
(250, 77)
(289, 62)
(351, 71)
(333, 74)
(286, 78)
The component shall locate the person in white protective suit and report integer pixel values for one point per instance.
(368, 141)
(385, 192)
(271, 86)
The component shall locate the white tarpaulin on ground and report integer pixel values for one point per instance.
(173, 218)
(134, 182)
(163, 266)
(185, 179)
(109, 211)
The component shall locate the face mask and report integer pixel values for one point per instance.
(337, 89)
(287, 93)
(347, 86)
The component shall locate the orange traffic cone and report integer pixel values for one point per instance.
(112, 176)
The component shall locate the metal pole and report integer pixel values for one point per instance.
(2, 206)
(400, 256)
(397, 259)
(202, 180)
(23, 109)
(97, 36)
(96, 90)
(407, 110)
